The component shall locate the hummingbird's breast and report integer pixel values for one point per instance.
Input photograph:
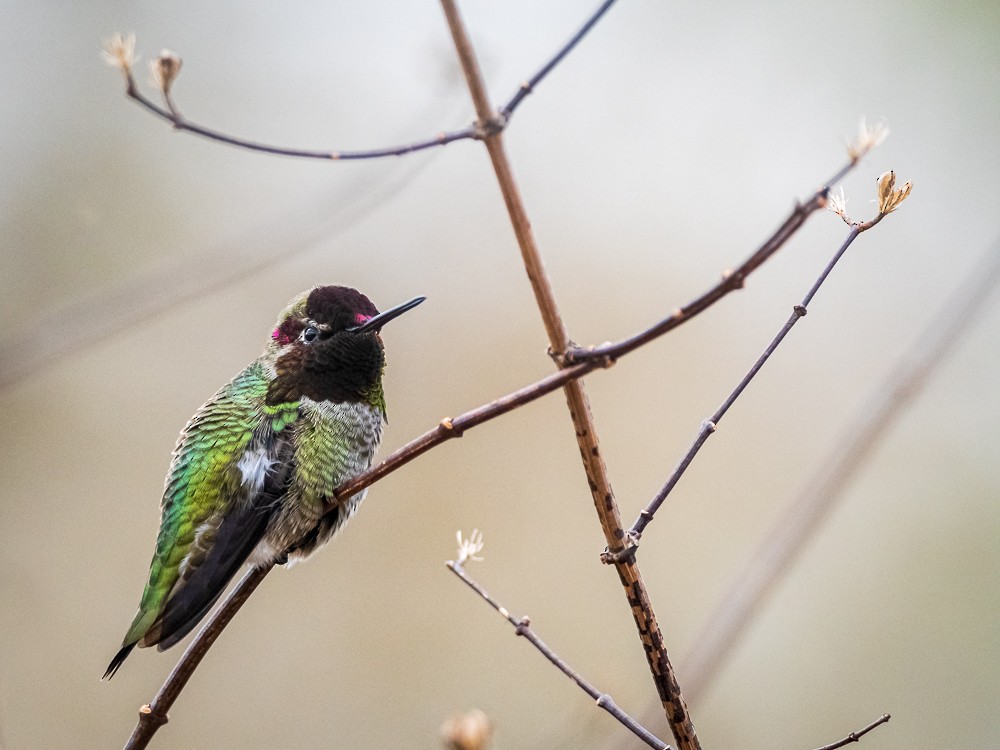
(333, 442)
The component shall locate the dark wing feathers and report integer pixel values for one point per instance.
(237, 535)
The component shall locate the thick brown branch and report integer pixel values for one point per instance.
(586, 433)
(522, 628)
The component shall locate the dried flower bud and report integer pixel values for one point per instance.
(468, 549)
(471, 731)
(889, 197)
(119, 52)
(164, 70)
(868, 138)
(836, 202)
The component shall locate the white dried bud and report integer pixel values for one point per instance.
(164, 70)
(119, 51)
(468, 549)
(868, 138)
(889, 197)
(836, 202)
(470, 731)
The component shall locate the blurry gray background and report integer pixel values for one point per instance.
(662, 151)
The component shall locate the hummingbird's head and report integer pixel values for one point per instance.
(326, 346)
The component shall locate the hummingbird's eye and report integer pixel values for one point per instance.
(309, 334)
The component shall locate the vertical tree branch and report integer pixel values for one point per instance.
(597, 476)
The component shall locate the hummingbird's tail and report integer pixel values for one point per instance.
(120, 657)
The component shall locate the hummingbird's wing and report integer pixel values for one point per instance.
(208, 572)
(231, 466)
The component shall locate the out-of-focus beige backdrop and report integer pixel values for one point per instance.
(662, 151)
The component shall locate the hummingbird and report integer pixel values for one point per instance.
(255, 465)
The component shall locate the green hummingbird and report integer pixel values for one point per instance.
(254, 466)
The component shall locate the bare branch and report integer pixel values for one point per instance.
(529, 86)
(522, 627)
(747, 595)
(172, 115)
(709, 425)
(889, 200)
(120, 52)
(154, 715)
(856, 736)
(731, 280)
(603, 496)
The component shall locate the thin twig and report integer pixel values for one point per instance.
(603, 496)
(529, 86)
(522, 627)
(731, 281)
(172, 114)
(154, 715)
(748, 594)
(856, 736)
(709, 425)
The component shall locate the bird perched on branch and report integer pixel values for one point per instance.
(255, 466)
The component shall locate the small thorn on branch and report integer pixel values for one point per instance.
(800, 310)
(147, 715)
(734, 279)
(447, 425)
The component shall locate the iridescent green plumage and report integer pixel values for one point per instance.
(253, 468)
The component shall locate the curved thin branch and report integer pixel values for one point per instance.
(522, 627)
(856, 736)
(172, 114)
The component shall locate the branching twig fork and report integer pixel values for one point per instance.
(172, 114)
(522, 627)
(604, 500)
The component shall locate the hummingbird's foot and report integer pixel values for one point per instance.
(282, 559)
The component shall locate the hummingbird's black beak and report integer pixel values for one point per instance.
(376, 323)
